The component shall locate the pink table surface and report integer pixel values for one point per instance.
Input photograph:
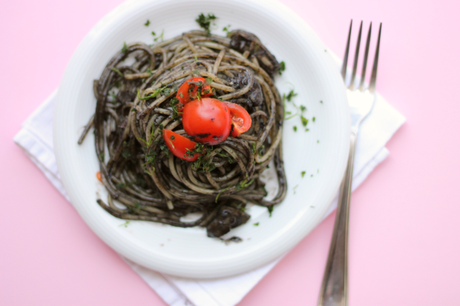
(404, 246)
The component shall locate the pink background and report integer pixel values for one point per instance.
(404, 233)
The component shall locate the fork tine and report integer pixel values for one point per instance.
(366, 53)
(355, 62)
(376, 62)
(345, 56)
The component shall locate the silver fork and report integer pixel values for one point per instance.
(334, 288)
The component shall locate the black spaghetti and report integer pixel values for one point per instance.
(136, 102)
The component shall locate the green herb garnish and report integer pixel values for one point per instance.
(124, 224)
(295, 188)
(223, 190)
(147, 23)
(159, 37)
(174, 102)
(282, 67)
(270, 210)
(303, 173)
(205, 22)
(125, 48)
(243, 184)
(117, 71)
(162, 90)
(304, 120)
(227, 29)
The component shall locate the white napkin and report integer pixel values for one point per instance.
(36, 139)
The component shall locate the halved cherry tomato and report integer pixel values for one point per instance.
(179, 144)
(188, 90)
(241, 120)
(207, 120)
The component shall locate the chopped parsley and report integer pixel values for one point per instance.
(159, 37)
(291, 95)
(261, 150)
(117, 71)
(162, 90)
(150, 154)
(124, 224)
(121, 185)
(125, 48)
(203, 163)
(174, 102)
(256, 224)
(282, 67)
(288, 98)
(304, 120)
(295, 128)
(243, 184)
(227, 30)
(147, 23)
(223, 190)
(205, 22)
(270, 210)
(313, 119)
(303, 173)
(164, 149)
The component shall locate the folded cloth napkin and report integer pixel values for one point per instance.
(36, 139)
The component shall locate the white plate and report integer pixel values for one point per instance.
(321, 152)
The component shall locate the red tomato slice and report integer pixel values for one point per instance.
(179, 144)
(241, 120)
(188, 90)
(207, 120)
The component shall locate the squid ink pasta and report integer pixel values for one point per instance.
(187, 126)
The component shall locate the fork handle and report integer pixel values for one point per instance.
(334, 288)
